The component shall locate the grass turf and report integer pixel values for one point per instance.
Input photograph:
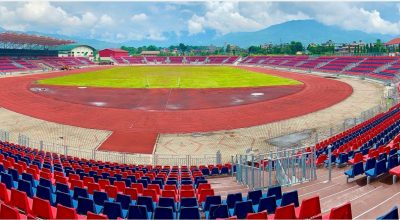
(170, 77)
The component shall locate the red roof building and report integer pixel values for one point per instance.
(395, 41)
(113, 52)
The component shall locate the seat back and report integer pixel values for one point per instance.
(8, 212)
(268, 203)
(41, 208)
(167, 202)
(309, 208)
(124, 200)
(242, 208)
(120, 185)
(113, 210)
(155, 187)
(254, 196)
(138, 186)
(64, 199)
(218, 211)
(137, 212)
(212, 200)
(289, 198)
(131, 192)
(146, 201)
(163, 213)
(64, 212)
(204, 193)
(275, 191)
(341, 212)
(44, 193)
(392, 214)
(231, 199)
(25, 186)
(99, 197)
(80, 192)
(62, 187)
(189, 202)
(189, 213)
(7, 179)
(151, 193)
(3, 193)
(370, 163)
(358, 168)
(258, 215)
(20, 200)
(380, 167)
(111, 191)
(91, 215)
(85, 205)
(285, 212)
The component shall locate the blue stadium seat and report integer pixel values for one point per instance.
(85, 205)
(189, 213)
(355, 170)
(188, 202)
(231, 199)
(217, 211)
(25, 186)
(242, 208)
(146, 201)
(124, 200)
(14, 174)
(80, 192)
(393, 214)
(211, 200)
(28, 177)
(254, 196)
(288, 198)
(138, 212)
(167, 202)
(7, 179)
(268, 203)
(100, 197)
(275, 191)
(46, 183)
(62, 188)
(64, 199)
(44, 193)
(163, 213)
(380, 168)
(113, 210)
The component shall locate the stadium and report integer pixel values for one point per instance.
(106, 133)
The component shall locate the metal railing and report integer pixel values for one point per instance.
(285, 168)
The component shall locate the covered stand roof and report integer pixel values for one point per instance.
(12, 40)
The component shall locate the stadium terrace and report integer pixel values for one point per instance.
(87, 135)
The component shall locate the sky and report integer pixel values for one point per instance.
(123, 21)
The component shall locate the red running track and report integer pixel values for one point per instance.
(136, 130)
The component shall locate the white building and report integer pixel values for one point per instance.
(74, 50)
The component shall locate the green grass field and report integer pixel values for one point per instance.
(170, 77)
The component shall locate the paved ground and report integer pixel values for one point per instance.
(368, 201)
(230, 142)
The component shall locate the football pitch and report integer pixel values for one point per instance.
(170, 77)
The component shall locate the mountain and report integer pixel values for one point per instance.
(305, 31)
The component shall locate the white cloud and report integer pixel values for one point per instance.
(195, 25)
(106, 20)
(226, 17)
(353, 17)
(139, 17)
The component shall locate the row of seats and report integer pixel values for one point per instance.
(13, 64)
(383, 67)
(175, 60)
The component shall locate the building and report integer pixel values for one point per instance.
(75, 50)
(113, 52)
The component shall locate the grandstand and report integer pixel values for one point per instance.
(343, 176)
